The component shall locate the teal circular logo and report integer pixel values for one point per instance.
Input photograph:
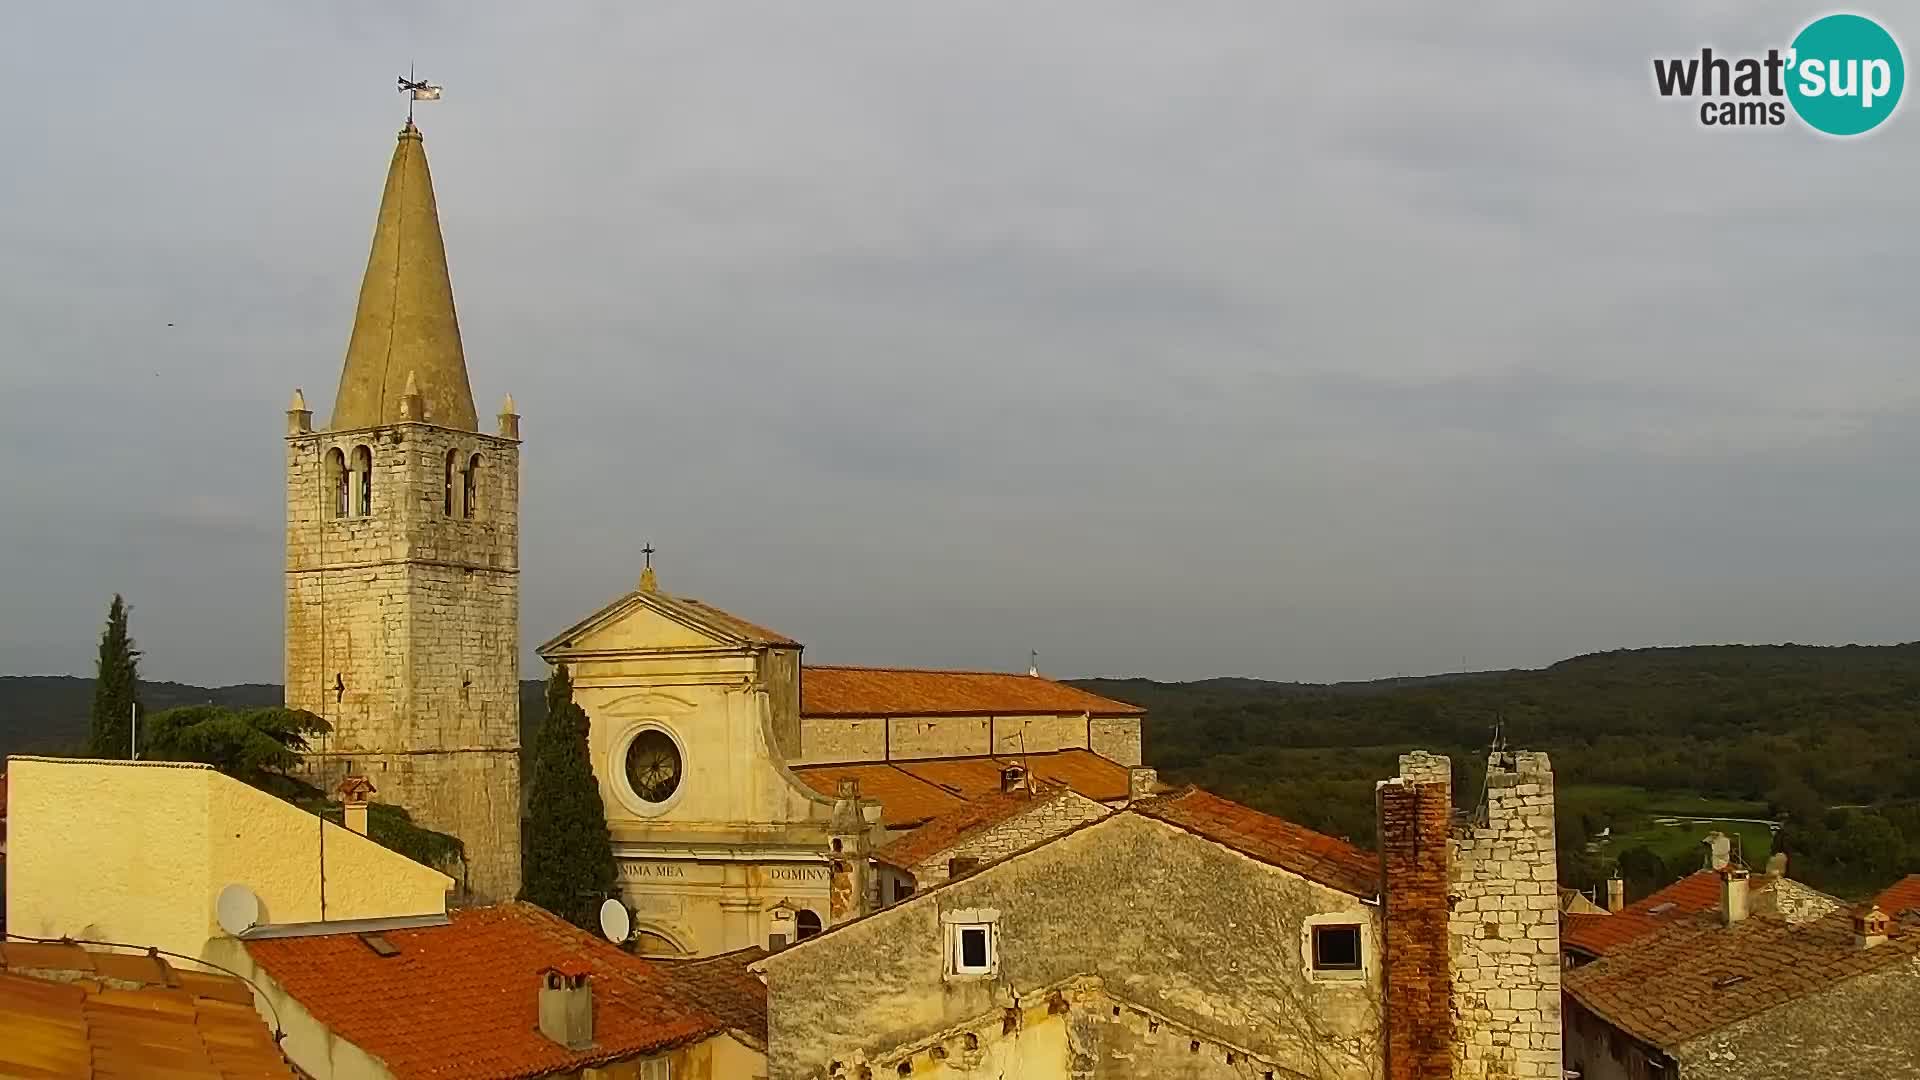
(1846, 74)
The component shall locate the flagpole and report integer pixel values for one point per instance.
(133, 731)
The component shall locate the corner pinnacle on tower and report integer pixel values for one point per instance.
(405, 323)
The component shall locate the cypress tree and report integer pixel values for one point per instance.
(567, 867)
(116, 690)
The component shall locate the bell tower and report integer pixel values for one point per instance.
(403, 555)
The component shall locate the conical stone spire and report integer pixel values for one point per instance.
(405, 325)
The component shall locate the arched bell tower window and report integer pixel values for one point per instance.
(453, 465)
(363, 481)
(337, 482)
(470, 494)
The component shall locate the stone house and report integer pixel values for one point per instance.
(1742, 992)
(1585, 936)
(982, 831)
(1189, 936)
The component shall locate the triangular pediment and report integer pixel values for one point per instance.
(642, 622)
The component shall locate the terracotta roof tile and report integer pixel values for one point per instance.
(1270, 839)
(1692, 975)
(73, 1012)
(912, 793)
(728, 622)
(462, 1000)
(1902, 895)
(1598, 935)
(724, 987)
(950, 828)
(858, 691)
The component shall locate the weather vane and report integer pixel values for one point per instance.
(417, 90)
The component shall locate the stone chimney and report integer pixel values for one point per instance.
(1869, 927)
(1013, 778)
(566, 1006)
(1733, 894)
(1776, 866)
(1719, 851)
(1616, 893)
(1141, 783)
(353, 802)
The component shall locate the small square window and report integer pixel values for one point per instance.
(972, 945)
(1336, 948)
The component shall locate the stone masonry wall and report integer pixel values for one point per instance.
(1505, 928)
(1415, 810)
(1117, 738)
(403, 631)
(1052, 816)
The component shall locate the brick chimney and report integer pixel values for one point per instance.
(1616, 893)
(1415, 812)
(353, 793)
(566, 1006)
(1141, 783)
(1869, 927)
(1719, 851)
(1733, 894)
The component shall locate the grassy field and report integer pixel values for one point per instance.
(1638, 817)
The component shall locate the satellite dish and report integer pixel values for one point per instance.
(615, 922)
(237, 909)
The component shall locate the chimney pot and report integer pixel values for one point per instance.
(1733, 895)
(566, 1007)
(1719, 851)
(1777, 865)
(1616, 894)
(1013, 778)
(1869, 927)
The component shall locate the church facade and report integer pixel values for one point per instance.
(746, 792)
(402, 556)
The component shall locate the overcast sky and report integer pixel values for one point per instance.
(1308, 342)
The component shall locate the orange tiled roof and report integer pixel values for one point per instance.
(1693, 975)
(858, 691)
(1600, 934)
(943, 832)
(1270, 839)
(69, 1012)
(912, 793)
(462, 1000)
(724, 987)
(1902, 895)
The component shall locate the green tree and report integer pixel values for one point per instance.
(567, 867)
(259, 746)
(116, 691)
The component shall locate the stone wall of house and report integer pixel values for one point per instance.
(1116, 738)
(1505, 927)
(1055, 814)
(402, 629)
(1188, 931)
(1867, 1026)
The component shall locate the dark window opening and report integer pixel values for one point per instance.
(973, 947)
(1336, 948)
(807, 922)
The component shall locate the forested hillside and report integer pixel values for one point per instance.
(1644, 743)
(1825, 739)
